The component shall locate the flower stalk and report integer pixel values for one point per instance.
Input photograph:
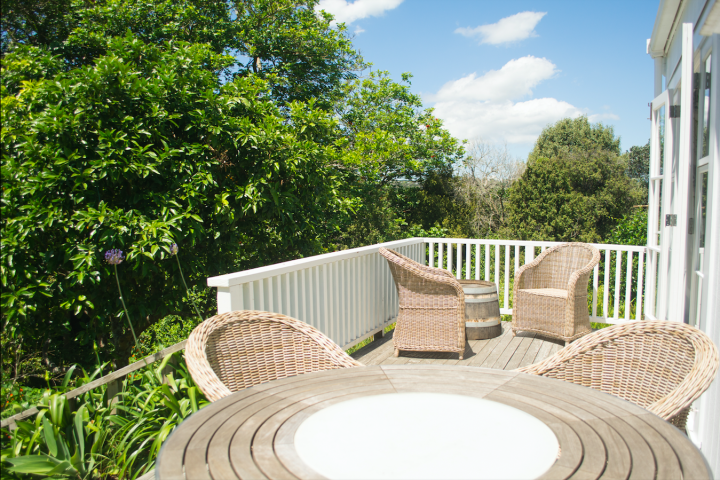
(174, 251)
(114, 257)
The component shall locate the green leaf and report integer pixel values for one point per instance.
(79, 430)
(33, 464)
(68, 375)
(49, 435)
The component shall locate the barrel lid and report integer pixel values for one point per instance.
(489, 323)
(479, 288)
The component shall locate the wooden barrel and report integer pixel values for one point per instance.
(482, 309)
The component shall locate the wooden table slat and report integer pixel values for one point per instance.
(251, 433)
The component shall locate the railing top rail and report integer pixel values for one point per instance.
(111, 377)
(530, 243)
(245, 276)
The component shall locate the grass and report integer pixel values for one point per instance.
(368, 340)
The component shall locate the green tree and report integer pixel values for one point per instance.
(391, 146)
(639, 170)
(144, 148)
(282, 41)
(576, 197)
(574, 136)
(631, 230)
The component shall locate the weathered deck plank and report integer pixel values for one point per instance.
(503, 352)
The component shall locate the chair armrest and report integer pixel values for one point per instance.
(524, 275)
(583, 273)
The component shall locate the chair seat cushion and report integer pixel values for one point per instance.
(546, 292)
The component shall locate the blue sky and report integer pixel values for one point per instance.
(503, 70)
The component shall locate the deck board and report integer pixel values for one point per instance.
(503, 352)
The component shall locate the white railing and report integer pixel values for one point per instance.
(500, 259)
(350, 295)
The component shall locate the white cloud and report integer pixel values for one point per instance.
(509, 29)
(500, 122)
(489, 106)
(514, 80)
(358, 30)
(347, 12)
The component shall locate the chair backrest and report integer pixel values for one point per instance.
(557, 264)
(662, 366)
(418, 284)
(236, 350)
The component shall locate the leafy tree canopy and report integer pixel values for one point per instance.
(143, 148)
(574, 135)
(391, 146)
(389, 135)
(575, 194)
(281, 40)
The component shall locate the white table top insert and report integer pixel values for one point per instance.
(425, 436)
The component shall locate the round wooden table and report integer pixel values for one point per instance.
(251, 434)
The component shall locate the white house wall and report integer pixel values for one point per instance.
(704, 424)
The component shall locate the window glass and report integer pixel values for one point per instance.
(706, 110)
(661, 136)
(703, 209)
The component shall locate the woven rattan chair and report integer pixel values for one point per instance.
(236, 350)
(550, 293)
(660, 365)
(432, 307)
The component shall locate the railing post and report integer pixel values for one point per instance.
(113, 388)
(169, 367)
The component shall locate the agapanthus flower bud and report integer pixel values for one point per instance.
(114, 256)
(174, 249)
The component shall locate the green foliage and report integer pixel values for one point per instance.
(16, 398)
(165, 333)
(96, 439)
(639, 171)
(631, 230)
(389, 136)
(151, 406)
(574, 136)
(392, 149)
(41, 22)
(283, 41)
(574, 187)
(575, 198)
(140, 150)
(60, 442)
(639, 162)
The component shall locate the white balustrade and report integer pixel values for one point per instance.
(500, 259)
(350, 295)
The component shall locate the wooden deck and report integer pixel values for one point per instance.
(504, 352)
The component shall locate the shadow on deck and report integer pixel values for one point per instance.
(504, 352)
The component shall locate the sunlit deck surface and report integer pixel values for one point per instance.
(504, 352)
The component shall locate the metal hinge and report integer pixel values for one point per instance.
(671, 220)
(691, 226)
(707, 79)
(674, 111)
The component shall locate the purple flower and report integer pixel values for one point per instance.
(114, 257)
(174, 249)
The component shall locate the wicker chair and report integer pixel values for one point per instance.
(236, 350)
(661, 366)
(432, 307)
(550, 293)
